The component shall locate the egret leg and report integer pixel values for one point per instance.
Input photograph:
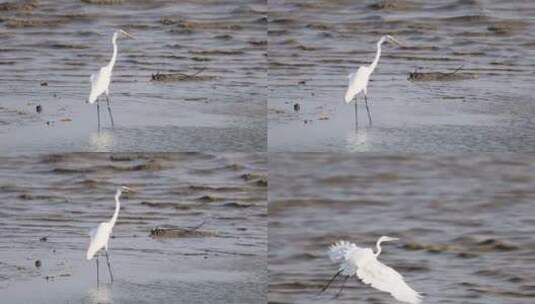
(330, 281)
(97, 270)
(109, 109)
(368, 109)
(98, 115)
(109, 266)
(356, 115)
(341, 288)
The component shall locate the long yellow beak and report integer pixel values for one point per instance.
(127, 34)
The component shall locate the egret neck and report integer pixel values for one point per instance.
(377, 56)
(117, 207)
(114, 56)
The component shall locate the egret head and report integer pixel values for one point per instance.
(122, 33)
(387, 239)
(123, 189)
(390, 39)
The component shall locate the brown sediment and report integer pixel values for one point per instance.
(214, 189)
(237, 205)
(319, 26)
(24, 23)
(218, 52)
(167, 205)
(506, 27)
(495, 245)
(209, 199)
(393, 5)
(19, 6)
(257, 42)
(103, 1)
(68, 46)
(307, 48)
(201, 59)
(467, 18)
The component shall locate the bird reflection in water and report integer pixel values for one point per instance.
(101, 141)
(358, 139)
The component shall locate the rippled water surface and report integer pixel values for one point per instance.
(61, 197)
(465, 222)
(487, 105)
(49, 48)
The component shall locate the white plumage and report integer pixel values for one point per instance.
(358, 81)
(99, 239)
(363, 263)
(100, 235)
(100, 81)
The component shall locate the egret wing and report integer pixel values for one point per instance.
(99, 238)
(357, 82)
(338, 251)
(386, 279)
(93, 232)
(348, 256)
(99, 83)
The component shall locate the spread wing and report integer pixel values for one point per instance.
(347, 255)
(386, 279)
(338, 251)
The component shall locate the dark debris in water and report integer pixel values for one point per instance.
(440, 76)
(495, 245)
(174, 232)
(181, 77)
(199, 25)
(259, 180)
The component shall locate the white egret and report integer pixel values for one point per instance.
(101, 234)
(358, 81)
(100, 81)
(363, 263)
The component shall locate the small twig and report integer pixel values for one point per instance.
(198, 226)
(458, 69)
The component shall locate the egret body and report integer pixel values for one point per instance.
(358, 81)
(363, 263)
(100, 81)
(101, 234)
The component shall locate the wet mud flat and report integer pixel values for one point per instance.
(464, 221)
(194, 232)
(485, 106)
(49, 49)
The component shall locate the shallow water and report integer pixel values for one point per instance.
(465, 223)
(62, 196)
(313, 46)
(61, 43)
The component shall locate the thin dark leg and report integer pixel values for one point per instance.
(368, 109)
(109, 266)
(98, 115)
(330, 281)
(356, 115)
(97, 271)
(341, 288)
(109, 109)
